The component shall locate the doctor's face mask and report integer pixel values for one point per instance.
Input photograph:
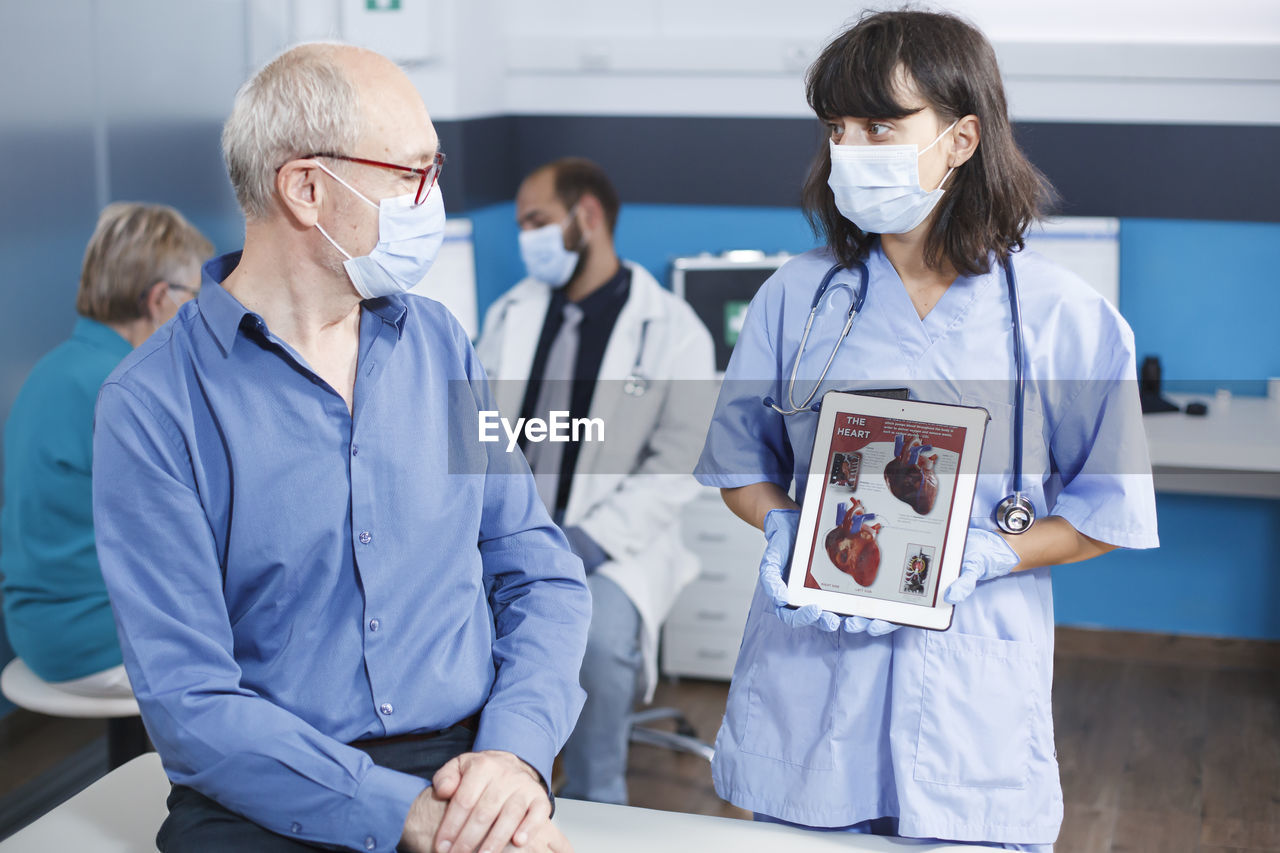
(409, 238)
(877, 187)
(545, 256)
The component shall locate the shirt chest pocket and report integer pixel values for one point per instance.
(1000, 451)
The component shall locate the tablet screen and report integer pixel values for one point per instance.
(885, 508)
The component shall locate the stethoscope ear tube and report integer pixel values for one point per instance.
(854, 307)
(1016, 513)
(636, 383)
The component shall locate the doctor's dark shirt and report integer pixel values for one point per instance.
(289, 577)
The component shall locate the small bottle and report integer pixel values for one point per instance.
(1222, 399)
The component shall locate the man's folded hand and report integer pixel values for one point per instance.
(494, 800)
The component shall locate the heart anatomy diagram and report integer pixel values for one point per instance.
(910, 475)
(851, 544)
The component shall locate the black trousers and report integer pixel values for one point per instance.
(196, 824)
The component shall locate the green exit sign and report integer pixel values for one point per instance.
(382, 5)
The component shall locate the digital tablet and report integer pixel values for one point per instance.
(886, 511)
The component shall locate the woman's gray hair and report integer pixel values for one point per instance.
(135, 247)
(302, 102)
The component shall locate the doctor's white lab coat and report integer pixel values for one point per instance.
(630, 489)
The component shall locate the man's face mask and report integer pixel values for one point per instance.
(409, 238)
(544, 255)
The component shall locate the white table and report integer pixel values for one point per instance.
(121, 812)
(1233, 450)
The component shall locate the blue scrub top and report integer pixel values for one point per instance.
(55, 603)
(950, 731)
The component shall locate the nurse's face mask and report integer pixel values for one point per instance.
(877, 187)
(409, 238)
(545, 256)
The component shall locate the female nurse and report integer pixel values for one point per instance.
(840, 723)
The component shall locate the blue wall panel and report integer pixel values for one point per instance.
(1216, 573)
(1205, 297)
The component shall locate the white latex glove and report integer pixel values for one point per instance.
(986, 557)
(780, 527)
(874, 627)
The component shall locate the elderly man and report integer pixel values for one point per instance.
(142, 262)
(328, 592)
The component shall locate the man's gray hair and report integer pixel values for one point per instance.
(302, 102)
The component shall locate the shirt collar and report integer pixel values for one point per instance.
(609, 295)
(224, 314)
(102, 336)
(389, 309)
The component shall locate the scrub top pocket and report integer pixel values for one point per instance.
(976, 711)
(792, 691)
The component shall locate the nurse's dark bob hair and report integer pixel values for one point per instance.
(992, 198)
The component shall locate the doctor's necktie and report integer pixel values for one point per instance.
(553, 396)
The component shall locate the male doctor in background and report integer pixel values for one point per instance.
(595, 336)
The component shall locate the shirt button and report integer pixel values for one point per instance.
(386, 709)
(370, 843)
(355, 450)
(374, 624)
(295, 827)
(365, 537)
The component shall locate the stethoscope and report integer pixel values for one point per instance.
(635, 384)
(1016, 513)
(855, 305)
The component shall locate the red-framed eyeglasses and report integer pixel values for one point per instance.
(428, 176)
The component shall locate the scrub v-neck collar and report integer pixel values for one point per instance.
(916, 335)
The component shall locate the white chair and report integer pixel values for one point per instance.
(126, 738)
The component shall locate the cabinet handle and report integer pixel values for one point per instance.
(711, 615)
(703, 536)
(717, 654)
(713, 577)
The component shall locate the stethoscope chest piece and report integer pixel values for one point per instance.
(1015, 514)
(635, 385)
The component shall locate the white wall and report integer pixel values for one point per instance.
(1067, 60)
(460, 72)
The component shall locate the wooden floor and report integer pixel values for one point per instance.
(1167, 745)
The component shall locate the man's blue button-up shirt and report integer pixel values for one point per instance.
(289, 577)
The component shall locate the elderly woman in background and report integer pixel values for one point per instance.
(142, 262)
